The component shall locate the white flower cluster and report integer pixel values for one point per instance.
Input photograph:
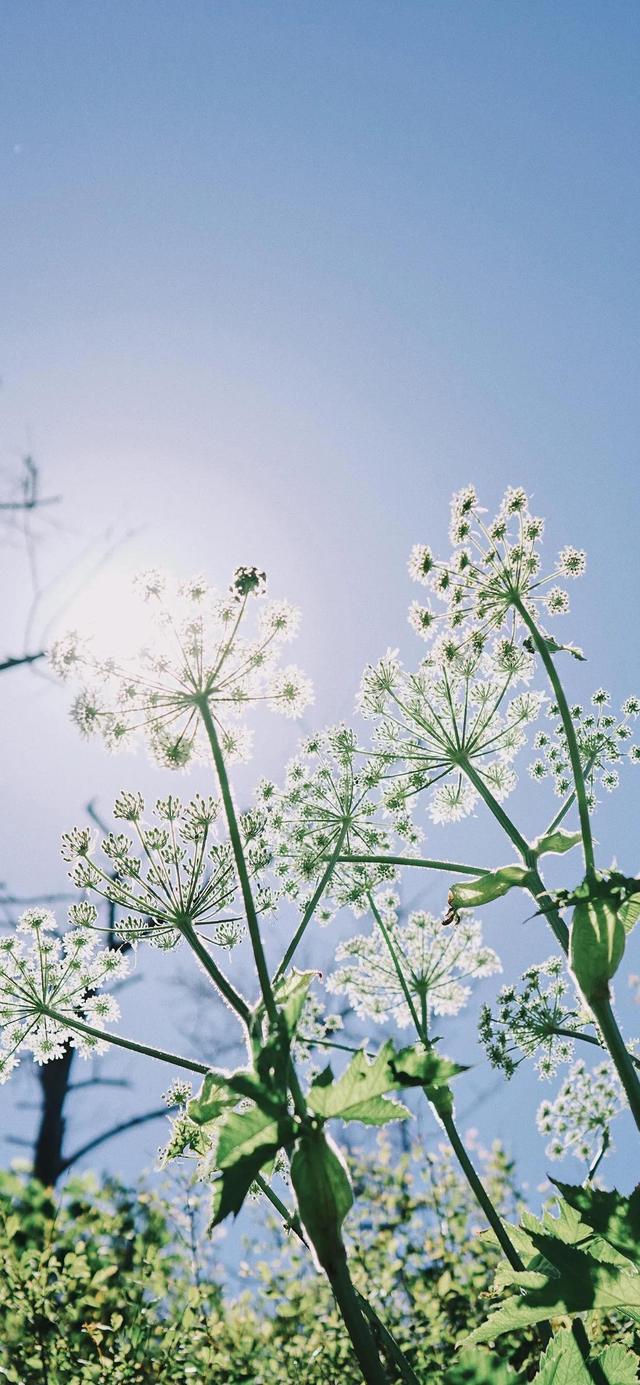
(452, 724)
(437, 964)
(199, 658)
(493, 571)
(183, 877)
(330, 807)
(578, 1120)
(47, 983)
(533, 1019)
(603, 740)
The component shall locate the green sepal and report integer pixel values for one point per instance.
(596, 946)
(323, 1192)
(290, 994)
(555, 648)
(471, 894)
(556, 843)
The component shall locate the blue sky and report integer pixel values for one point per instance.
(280, 276)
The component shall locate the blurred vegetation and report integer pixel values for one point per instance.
(104, 1283)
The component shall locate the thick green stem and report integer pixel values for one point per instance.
(625, 1067)
(130, 1044)
(590, 1039)
(362, 1339)
(520, 842)
(239, 857)
(540, 644)
(481, 1194)
(311, 908)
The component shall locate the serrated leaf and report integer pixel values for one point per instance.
(562, 1363)
(358, 1092)
(231, 1187)
(471, 894)
(612, 1216)
(243, 1132)
(619, 1365)
(247, 1141)
(556, 842)
(212, 1099)
(577, 1284)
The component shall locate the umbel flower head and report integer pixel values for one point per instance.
(493, 572)
(173, 874)
(605, 741)
(46, 983)
(201, 657)
(330, 806)
(450, 723)
(438, 964)
(533, 1019)
(578, 1120)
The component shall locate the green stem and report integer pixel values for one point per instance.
(604, 1016)
(291, 1219)
(348, 1302)
(233, 997)
(540, 645)
(130, 1044)
(520, 843)
(241, 865)
(311, 908)
(398, 969)
(481, 1194)
(452, 867)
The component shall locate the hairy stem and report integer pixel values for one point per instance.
(624, 1063)
(311, 907)
(158, 1053)
(233, 997)
(540, 644)
(239, 857)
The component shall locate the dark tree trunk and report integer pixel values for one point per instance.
(54, 1081)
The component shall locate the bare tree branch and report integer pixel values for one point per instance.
(113, 1131)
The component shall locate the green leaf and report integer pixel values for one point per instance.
(619, 1365)
(357, 1095)
(479, 1367)
(562, 1364)
(290, 995)
(575, 1282)
(612, 1216)
(470, 894)
(243, 1132)
(323, 1192)
(421, 1066)
(247, 1141)
(629, 913)
(212, 1099)
(556, 842)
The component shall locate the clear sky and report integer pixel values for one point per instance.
(277, 277)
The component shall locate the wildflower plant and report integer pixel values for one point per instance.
(445, 737)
